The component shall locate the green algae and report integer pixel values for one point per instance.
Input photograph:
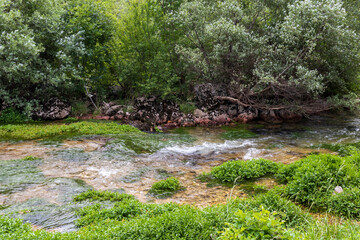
(61, 131)
(16, 175)
(239, 131)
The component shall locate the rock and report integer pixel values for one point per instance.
(203, 121)
(270, 116)
(113, 110)
(222, 119)
(245, 117)
(287, 115)
(338, 189)
(199, 114)
(232, 110)
(143, 126)
(54, 109)
(205, 95)
(170, 125)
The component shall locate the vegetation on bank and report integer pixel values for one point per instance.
(40, 131)
(267, 216)
(288, 54)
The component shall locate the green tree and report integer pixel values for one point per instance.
(34, 62)
(96, 24)
(270, 53)
(145, 61)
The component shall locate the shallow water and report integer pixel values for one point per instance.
(40, 191)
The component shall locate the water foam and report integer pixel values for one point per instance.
(206, 148)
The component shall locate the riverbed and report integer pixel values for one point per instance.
(40, 191)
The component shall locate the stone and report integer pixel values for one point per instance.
(270, 116)
(54, 109)
(232, 110)
(113, 110)
(222, 119)
(199, 114)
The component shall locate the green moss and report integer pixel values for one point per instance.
(16, 175)
(39, 131)
(243, 170)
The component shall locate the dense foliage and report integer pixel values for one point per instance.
(287, 52)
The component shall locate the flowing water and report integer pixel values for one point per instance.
(40, 191)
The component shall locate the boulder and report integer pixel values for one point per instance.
(54, 109)
(270, 116)
(222, 119)
(199, 114)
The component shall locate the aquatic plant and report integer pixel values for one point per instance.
(239, 131)
(93, 195)
(38, 131)
(240, 170)
(166, 187)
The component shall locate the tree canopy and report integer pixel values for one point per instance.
(268, 53)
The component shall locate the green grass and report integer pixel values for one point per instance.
(40, 131)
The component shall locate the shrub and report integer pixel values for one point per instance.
(10, 115)
(256, 225)
(166, 187)
(79, 109)
(346, 204)
(312, 182)
(243, 170)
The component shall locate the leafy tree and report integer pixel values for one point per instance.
(96, 24)
(34, 62)
(270, 53)
(145, 61)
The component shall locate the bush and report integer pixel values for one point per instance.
(187, 108)
(345, 204)
(10, 115)
(79, 109)
(312, 182)
(243, 170)
(166, 187)
(256, 225)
